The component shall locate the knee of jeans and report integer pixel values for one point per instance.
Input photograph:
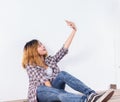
(41, 88)
(63, 72)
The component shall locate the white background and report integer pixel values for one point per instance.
(93, 56)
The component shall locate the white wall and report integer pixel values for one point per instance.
(92, 55)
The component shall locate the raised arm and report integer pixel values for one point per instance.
(63, 51)
(70, 37)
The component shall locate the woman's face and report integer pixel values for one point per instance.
(41, 49)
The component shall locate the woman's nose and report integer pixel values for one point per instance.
(43, 46)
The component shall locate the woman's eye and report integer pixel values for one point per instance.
(39, 45)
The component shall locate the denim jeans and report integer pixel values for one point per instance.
(56, 93)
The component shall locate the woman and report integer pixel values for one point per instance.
(47, 82)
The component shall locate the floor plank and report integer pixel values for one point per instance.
(114, 98)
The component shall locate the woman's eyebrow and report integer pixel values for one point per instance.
(40, 43)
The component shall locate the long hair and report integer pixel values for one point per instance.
(31, 55)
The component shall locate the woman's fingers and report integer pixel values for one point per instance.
(71, 24)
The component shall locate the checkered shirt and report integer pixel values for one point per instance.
(37, 75)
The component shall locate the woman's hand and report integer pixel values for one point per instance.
(71, 24)
(70, 38)
(47, 83)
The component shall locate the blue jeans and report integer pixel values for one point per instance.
(56, 93)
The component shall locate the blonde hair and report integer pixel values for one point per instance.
(31, 55)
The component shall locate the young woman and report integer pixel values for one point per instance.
(47, 82)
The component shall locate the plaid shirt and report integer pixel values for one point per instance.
(37, 75)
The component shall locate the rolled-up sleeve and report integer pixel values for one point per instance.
(60, 54)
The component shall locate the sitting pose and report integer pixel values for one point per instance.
(47, 82)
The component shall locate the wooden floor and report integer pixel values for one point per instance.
(115, 98)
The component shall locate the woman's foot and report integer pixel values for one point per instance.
(104, 97)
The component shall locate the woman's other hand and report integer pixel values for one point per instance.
(47, 83)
